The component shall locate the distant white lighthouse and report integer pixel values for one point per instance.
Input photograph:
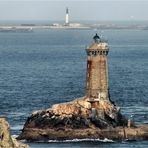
(67, 17)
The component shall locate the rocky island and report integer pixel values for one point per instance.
(93, 116)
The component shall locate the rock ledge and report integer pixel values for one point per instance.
(6, 140)
(73, 120)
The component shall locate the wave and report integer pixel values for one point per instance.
(15, 136)
(80, 140)
(17, 127)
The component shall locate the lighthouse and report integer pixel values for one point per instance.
(67, 17)
(97, 89)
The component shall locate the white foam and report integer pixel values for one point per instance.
(15, 136)
(17, 127)
(81, 140)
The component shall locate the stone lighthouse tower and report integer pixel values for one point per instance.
(97, 70)
(97, 77)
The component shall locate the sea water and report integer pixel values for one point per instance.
(44, 67)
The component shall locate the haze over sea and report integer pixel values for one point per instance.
(44, 67)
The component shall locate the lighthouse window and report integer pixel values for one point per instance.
(88, 53)
(95, 53)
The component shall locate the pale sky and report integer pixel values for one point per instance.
(79, 9)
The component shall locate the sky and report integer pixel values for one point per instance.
(79, 9)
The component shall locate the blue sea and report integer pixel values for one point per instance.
(44, 67)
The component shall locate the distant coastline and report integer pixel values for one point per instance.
(29, 27)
